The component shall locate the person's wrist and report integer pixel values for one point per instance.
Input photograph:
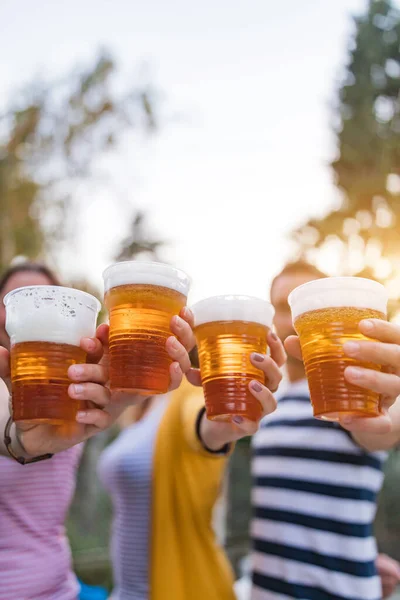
(16, 449)
(209, 435)
(17, 443)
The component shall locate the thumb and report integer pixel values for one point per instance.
(5, 367)
(292, 346)
(193, 376)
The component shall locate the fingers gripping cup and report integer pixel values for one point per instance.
(45, 325)
(142, 298)
(326, 314)
(228, 329)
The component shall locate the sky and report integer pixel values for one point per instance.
(253, 83)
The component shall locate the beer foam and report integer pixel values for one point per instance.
(233, 308)
(46, 313)
(333, 292)
(147, 273)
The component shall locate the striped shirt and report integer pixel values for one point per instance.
(35, 559)
(314, 502)
(125, 468)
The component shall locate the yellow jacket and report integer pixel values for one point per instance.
(186, 561)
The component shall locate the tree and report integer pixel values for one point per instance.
(363, 231)
(50, 136)
(138, 241)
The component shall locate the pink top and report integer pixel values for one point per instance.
(35, 559)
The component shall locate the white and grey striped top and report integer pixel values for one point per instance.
(314, 502)
(126, 469)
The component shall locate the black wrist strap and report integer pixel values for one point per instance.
(224, 450)
(20, 459)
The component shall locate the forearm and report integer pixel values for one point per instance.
(382, 441)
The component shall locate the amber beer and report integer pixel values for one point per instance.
(228, 329)
(142, 298)
(326, 314)
(45, 325)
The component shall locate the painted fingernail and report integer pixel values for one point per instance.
(238, 420)
(273, 336)
(257, 357)
(90, 344)
(257, 387)
(78, 389)
(81, 415)
(351, 348)
(367, 325)
(354, 372)
(78, 370)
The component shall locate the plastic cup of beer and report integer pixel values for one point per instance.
(45, 325)
(142, 298)
(326, 314)
(228, 329)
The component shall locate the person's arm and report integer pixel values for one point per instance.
(31, 441)
(383, 432)
(216, 436)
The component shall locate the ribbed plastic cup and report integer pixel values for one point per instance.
(326, 314)
(45, 325)
(228, 329)
(142, 298)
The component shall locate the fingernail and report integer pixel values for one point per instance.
(273, 336)
(367, 325)
(90, 344)
(257, 387)
(187, 312)
(78, 389)
(238, 420)
(258, 357)
(174, 343)
(177, 368)
(78, 370)
(178, 322)
(351, 348)
(81, 415)
(354, 372)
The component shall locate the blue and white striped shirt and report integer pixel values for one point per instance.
(314, 502)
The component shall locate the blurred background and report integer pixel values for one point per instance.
(225, 138)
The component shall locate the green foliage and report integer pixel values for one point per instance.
(138, 241)
(364, 229)
(50, 136)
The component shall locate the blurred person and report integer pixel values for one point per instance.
(35, 560)
(315, 483)
(164, 474)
